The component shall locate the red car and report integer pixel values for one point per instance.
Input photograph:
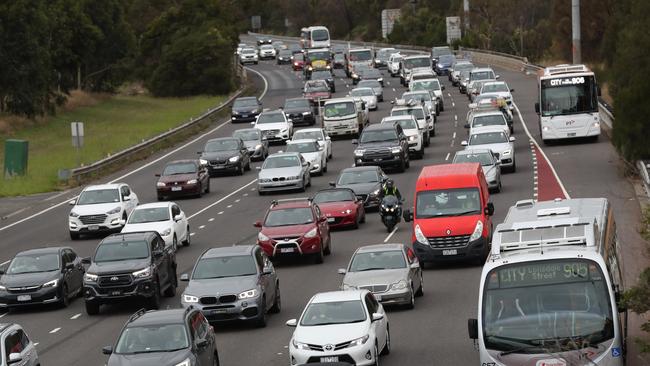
(316, 90)
(341, 207)
(294, 227)
(183, 178)
(297, 61)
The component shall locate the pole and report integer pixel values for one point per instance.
(521, 35)
(466, 12)
(575, 26)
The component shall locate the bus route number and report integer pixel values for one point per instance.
(568, 81)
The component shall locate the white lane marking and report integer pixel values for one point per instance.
(229, 206)
(237, 200)
(266, 86)
(394, 89)
(245, 194)
(453, 136)
(521, 118)
(202, 227)
(14, 213)
(449, 95)
(5, 262)
(447, 157)
(453, 104)
(388, 83)
(58, 195)
(220, 213)
(455, 117)
(391, 234)
(222, 199)
(211, 219)
(76, 316)
(452, 143)
(55, 330)
(192, 234)
(3, 314)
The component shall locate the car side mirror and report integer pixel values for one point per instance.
(537, 107)
(489, 209)
(463, 143)
(512, 90)
(252, 123)
(107, 350)
(355, 142)
(408, 215)
(291, 322)
(257, 224)
(328, 138)
(342, 271)
(199, 152)
(157, 253)
(442, 87)
(185, 277)
(497, 77)
(178, 217)
(157, 175)
(258, 168)
(415, 265)
(85, 260)
(126, 198)
(332, 184)
(69, 265)
(201, 343)
(377, 317)
(497, 155)
(472, 328)
(466, 125)
(122, 222)
(511, 139)
(322, 219)
(72, 202)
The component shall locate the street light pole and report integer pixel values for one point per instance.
(466, 12)
(575, 26)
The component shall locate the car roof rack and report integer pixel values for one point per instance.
(137, 314)
(297, 199)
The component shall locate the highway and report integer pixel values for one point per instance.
(434, 333)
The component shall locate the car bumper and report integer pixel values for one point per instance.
(354, 355)
(392, 161)
(295, 247)
(179, 191)
(508, 162)
(279, 186)
(394, 297)
(415, 146)
(40, 296)
(223, 168)
(555, 134)
(341, 130)
(142, 289)
(338, 221)
(427, 253)
(110, 224)
(239, 310)
(245, 60)
(244, 117)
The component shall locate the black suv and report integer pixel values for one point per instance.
(128, 266)
(175, 337)
(384, 145)
(246, 109)
(299, 110)
(225, 154)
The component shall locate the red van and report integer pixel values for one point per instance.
(452, 213)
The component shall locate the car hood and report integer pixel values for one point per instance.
(361, 188)
(218, 286)
(271, 126)
(411, 132)
(146, 359)
(218, 155)
(245, 110)
(457, 225)
(158, 226)
(330, 334)
(296, 110)
(490, 171)
(28, 279)
(282, 232)
(178, 177)
(280, 172)
(99, 208)
(252, 143)
(131, 265)
(312, 156)
(496, 148)
(333, 208)
(379, 277)
(374, 145)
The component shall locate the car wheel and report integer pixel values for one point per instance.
(65, 297)
(240, 171)
(92, 308)
(171, 289)
(376, 354)
(386, 349)
(248, 165)
(408, 160)
(188, 236)
(277, 303)
(74, 236)
(427, 140)
(260, 322)
(402, 166)
(363, 217)
(411, 303)
(498, 190)
(207, 187)
(154, 302)
(308, 180)
(304, 185)
(201, 190)
(421, 152)
(175, 243)
(324, 168)
(357, 220)
(420, 290)
(319, 256)
(328, 249)
(514, 166)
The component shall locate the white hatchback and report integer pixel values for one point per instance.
(166, 218)
(312, 152)
(317, 134)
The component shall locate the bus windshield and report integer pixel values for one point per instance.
(537, 307)
(568, 95)
(320, 35)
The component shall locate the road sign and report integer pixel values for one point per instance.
(388, 18)
(453, 29)
(77, 129)
(256, 22)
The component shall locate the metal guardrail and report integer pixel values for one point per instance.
(79, 174)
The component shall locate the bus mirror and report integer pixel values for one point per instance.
(537, 108)
(472, 328)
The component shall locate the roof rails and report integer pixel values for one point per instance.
(298, 199)
(137, 314)
(565, 69)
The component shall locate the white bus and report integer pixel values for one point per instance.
(549, 290)
(315, 37)
(568, 103)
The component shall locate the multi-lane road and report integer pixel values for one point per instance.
(434, 333)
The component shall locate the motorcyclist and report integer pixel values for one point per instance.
(389, 189)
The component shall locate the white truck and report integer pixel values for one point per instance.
(344, 116)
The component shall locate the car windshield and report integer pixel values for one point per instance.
(569, 95)
(298, 56)
(220, 267)
(446, 59)
(407, 124)
(489, 120)
(285, 53)
(488, 138)
(384, 54)
(275, 117)
(543, 306)
(34, 263)
(362, 92)
(319, 55)
(97, 196)
(284, 161)
(305, 135)
(378, 135)
(463, 67)
(448, 202)
(153, 214)
(267, 47)
(430, 84)
(302, 147)
(320, 35)
(247, 135)
(418, 113)
(421, 95)
(361, 55)
(296, 103)
(339, 57)
(482, 75)
(321, 75)
(369, 261)
(289, 216)
(336, 312)
(339, 109)
(247, 102)
(483, 158)
(179, 168)
(334, 196)
(221, 145)
(121, 250)
(358, 177)
(439, 51)
(152, 338)
(370, 73)
(397, 58)
(495, 88)
(374, 84)
(410, 63)
(316, 86)
(248, 51)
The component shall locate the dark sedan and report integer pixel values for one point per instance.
(225, 154)
(324, 75)
(41, 276)
(299, 110)
(366, 182)
(257, 145)
(182, 178)
(372, 74)
(245, 109)
(284, 57)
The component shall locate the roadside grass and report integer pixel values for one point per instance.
(110, 125)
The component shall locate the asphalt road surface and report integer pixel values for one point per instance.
(434, 333)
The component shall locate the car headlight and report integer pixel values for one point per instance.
(160, 184)
(254, 111)
(284, 130)
(419, 235)
(396, 150)
(380, 80)
(234, 159)
(359, 341)
(190, 298)
(185, 362)
(248, 294)
(375, 192)
(295, 177)
(265, 180)
(311, 233)
(349, 287)
(506, 153)
(115, 210)
(192, 181)
(73, 214)
(359, 153)
(328, 67)
(399, 285)
(203, 162)
(166, 232)
(306, 113)
(354, 76)
(262, 237)
(478, 231)
(52, 283)
(347, 212)
(90, 277)
(142, 273)
(310, 68)
(300, 345)
(258, 146)
(413, 138)
(2, 288)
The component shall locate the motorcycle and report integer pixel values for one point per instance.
(390, 211)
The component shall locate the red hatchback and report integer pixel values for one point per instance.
(297, 61)
(182, 178)
(341, 207)
(294, 227)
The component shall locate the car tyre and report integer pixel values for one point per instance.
(376, 354)
(187, 241)
(171, 289)
(260, 322)
(154, 302)
(319, 256)
(74, 236)
(411, 303)
(277, 303)
(402, 166)
(65, 297)
(92, 308)
(420, 290)
(498, 189)
(386, 349)
(514, 166)
(328, 249)
(240, 170)
(207, 187)
(248, 165)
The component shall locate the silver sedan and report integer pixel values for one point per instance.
(282, 172)
(488, 160)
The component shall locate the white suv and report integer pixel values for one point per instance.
(274, 125)
(17, 348)
(101, 208)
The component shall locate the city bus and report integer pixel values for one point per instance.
(550, 287)
(568, 103)
(315, 37)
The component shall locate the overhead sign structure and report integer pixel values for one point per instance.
(388, 18)
(256, 22)
(453, 29)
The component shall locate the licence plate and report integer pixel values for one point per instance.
(331, 219)
(571, 134)
(93, 227)
(286, 250)
(219, 311)
(450, 252)
(329, 359)
(116, 293)
(176, 189)
(244, 115)
(376, 159)
(24, 297)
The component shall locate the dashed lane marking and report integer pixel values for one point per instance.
(390, 235)
(453, 136)
(192, 234)
(222, 199)
(76, 316)
(237, 200)
(55, 330)
(220, 213)
(229, 206)
(447, 157)
(202, 227)
(453, 104)
(211, 219)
